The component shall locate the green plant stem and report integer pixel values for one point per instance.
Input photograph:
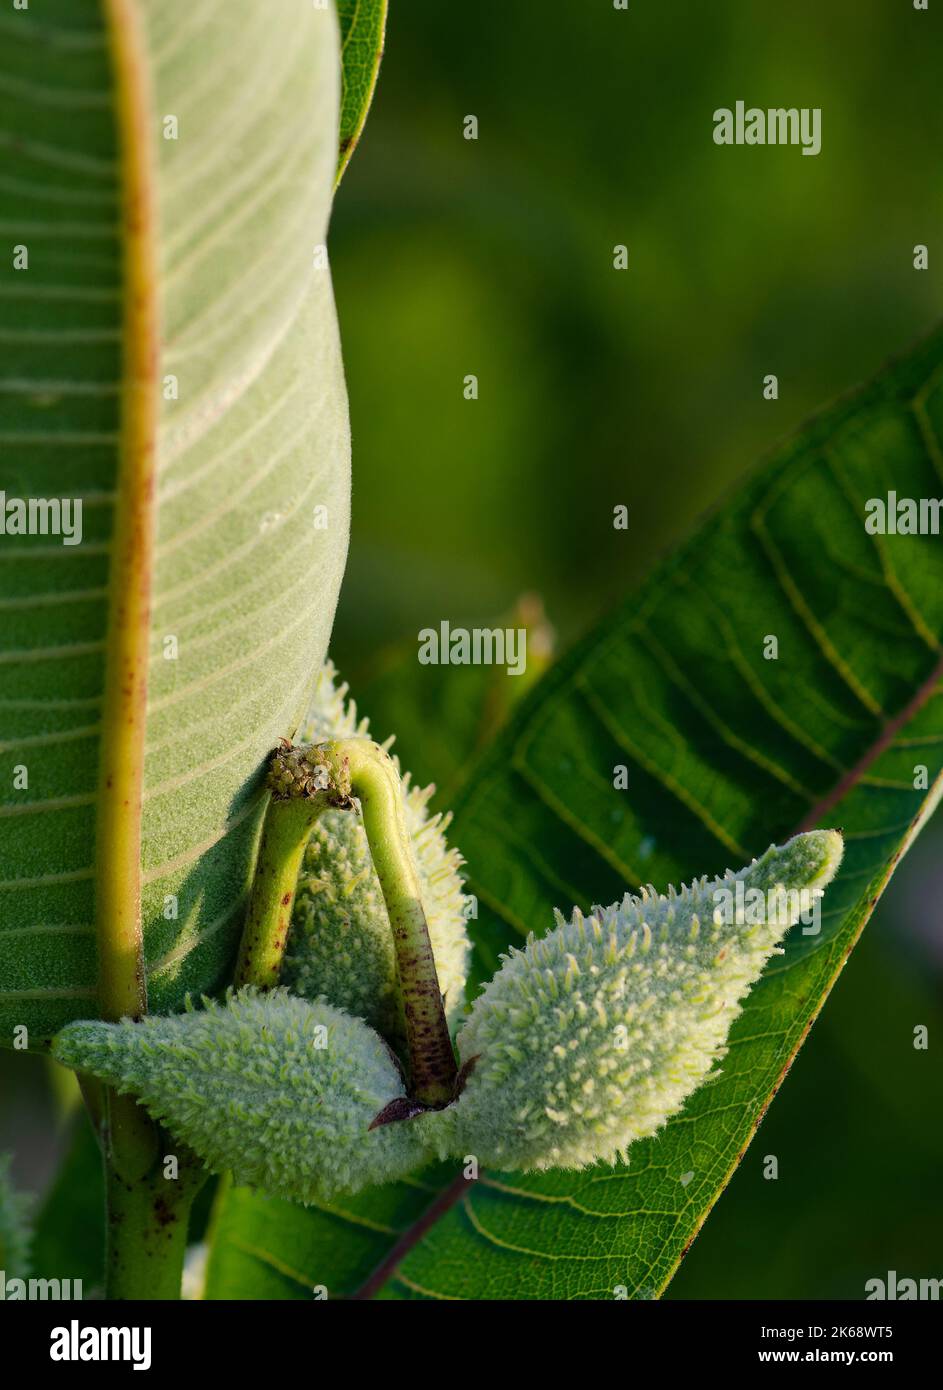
(146, 1238)
(305, 782)
(374, 780)
(285, 832)
(131, 1139)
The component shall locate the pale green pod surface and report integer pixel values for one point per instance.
(340, 944)
(279, 1090)
(593, 1036)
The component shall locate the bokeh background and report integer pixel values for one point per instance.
(642, 387)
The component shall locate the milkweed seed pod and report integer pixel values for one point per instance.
(14, 1226)
(279, 1090)
(340, 944)
(592, 1037)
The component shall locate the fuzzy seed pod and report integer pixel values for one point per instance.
(593, 1036)
(279, 1090)
(340, 944)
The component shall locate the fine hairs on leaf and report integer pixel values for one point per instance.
(585, 1041)
(252, 438)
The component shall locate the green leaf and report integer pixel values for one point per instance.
(263, 1247)
(221, 245)
(726, 752)
(865, 1110)
(363, 23)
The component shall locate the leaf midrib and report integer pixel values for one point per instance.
(118, 873)
(884, 739)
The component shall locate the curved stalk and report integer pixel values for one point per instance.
(375, 782)
(371, 776)
(305, 782)
(302, 788)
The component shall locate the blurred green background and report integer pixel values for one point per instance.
(641, 387)
(598, 387)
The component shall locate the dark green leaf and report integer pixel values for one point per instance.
(263, 1247)
(362, 27)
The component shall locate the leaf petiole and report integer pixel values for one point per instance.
(305, 782)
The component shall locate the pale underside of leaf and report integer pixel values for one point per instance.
(251, 505)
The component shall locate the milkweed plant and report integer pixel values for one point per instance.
(330, 1063)
(316, 1021)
